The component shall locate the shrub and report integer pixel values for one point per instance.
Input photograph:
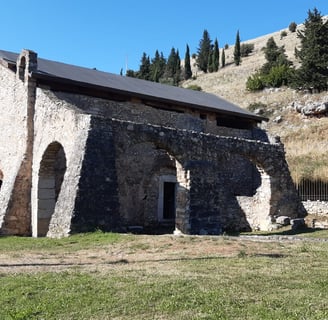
(283, 34)
(292, 27)
(246, 49)
(256, 105)
(278, 76)
(255, 82)
(195, 87)
(226, 46)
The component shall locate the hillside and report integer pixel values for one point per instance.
(304, 137)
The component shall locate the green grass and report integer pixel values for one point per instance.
(276, 280)
(72, 243)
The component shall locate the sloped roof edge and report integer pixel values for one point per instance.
(90, 78)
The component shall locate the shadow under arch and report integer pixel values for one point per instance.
(50, 178)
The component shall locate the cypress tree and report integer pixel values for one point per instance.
(210, 62)
(223, 59)
(203, 51)
(313, 54)
(237, 53)
(187, 66)
(177, 73)
(216, 56)
(171, 64)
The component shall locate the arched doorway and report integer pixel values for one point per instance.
(51, 176)
(252, 188)
(151, 181)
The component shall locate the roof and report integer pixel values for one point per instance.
(67, 74)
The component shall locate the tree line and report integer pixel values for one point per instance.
(277, 71)
(312, 75)
(170, 70)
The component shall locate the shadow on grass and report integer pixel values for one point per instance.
(281, 232)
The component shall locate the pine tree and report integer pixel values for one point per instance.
(157, 67)
(313, 54)
(223, 59)
(144, 70)
(216, 56)
(203, 51)
(275, 56)
(187, 66)
(237, 53)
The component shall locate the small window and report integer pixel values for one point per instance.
(203, 116)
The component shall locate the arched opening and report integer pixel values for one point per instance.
(251, 186)
(51, 176)
(21, 68)
(149, 183)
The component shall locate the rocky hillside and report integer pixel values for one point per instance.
(304, 137)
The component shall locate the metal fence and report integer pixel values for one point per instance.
(312, 190)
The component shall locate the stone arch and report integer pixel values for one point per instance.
(51, 175)
(146, 170)
(256, 200)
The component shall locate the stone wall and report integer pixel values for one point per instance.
(56, 122)
(316, 207)
(139, 112)
(13, 102)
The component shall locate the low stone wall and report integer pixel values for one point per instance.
(316, 207)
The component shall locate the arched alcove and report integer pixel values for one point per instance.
(21, 68)
(149, 183)
(51, 175)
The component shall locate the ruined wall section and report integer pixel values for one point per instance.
(57, 121)
(13, 139)
(211, 206)
(139, 112)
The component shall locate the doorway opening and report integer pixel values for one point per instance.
(51, 176)
(167, 199)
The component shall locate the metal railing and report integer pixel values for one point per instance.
(312, 190)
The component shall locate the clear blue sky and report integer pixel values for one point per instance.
(112, 34)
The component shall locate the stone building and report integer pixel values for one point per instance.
(83, 150)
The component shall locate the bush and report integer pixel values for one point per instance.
(226, 46)
(278, 76)
(292, 27)
(195, 87)
(255, 82)
(283, 34)
(256, 105)
(246, 49)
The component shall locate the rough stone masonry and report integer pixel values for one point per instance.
(83, 150)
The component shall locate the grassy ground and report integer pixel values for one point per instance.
(110, 276)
